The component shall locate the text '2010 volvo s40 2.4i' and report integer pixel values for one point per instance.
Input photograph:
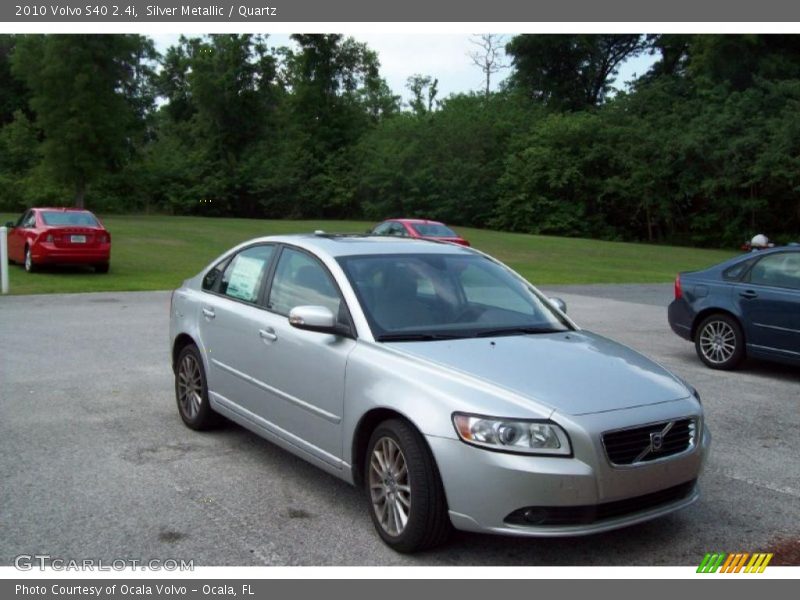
(438, 380)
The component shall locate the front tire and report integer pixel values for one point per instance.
(719, 342)
(403, 488)
(29, 266)
(191, 391)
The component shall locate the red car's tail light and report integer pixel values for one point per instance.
(103, 238)
(49, 239)
(678, 290)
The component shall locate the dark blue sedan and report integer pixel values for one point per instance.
(747, 306)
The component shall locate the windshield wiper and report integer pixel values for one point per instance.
(515, 331)
(417, 337)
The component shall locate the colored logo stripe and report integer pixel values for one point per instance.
(758, 563)
(734, 562)
(711, 562)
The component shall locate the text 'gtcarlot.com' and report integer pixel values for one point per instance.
(28, 562)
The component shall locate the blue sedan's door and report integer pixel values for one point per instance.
(770, 304)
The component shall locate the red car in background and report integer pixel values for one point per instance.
(419, 228)
(65, 236)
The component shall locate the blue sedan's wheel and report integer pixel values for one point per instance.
(719, 342)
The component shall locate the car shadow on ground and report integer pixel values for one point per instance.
(758, 367)
(773, 370)
(59, 269)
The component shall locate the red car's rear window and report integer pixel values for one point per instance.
(56, 218)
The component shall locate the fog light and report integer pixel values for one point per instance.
(534, 516)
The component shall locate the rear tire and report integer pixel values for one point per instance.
(30, 267)
(191, 391)
(101, 268)
(404, 490)
(719, 342)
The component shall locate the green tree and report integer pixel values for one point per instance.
(553, 178)
(13, 93)
(424, 89)
(336, 96)
(222, 95)
(569, 72)
(444, 164)
(82, 95)
(738, 61)
(19, 155)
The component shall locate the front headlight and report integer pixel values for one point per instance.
(513, 435)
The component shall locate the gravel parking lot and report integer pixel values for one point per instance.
(95, 462)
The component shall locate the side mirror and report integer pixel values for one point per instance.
(10, 224)
(559, 304)
(313, 318)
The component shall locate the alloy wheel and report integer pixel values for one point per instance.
(190, 386)
(389, 485)
(718, 342)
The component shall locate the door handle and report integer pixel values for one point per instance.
(268, 334)
(748, 294)
(209, 313)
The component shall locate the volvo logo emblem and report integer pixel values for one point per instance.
(656, 441)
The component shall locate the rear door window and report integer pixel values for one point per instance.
(244, 275)
(736, 272)
(28, 220)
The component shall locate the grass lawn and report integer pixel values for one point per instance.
(158, 252)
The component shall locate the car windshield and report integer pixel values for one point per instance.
(68, 217)
(410, 297)
(433, 230)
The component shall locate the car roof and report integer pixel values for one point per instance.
(425, 221)
(62, 209)
(773, 250)
(740, 258)
(337, 245)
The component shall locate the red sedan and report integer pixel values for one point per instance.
(419, 228)
(65, 236)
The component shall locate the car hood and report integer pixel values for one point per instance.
(575, 372)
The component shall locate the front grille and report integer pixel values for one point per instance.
(627, 447)
(584, 515)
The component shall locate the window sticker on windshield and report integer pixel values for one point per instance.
(245, 278)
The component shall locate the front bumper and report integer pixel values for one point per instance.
(484, 488)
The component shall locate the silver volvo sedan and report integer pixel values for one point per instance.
(440, 381)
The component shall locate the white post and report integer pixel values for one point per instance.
(4, 260)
